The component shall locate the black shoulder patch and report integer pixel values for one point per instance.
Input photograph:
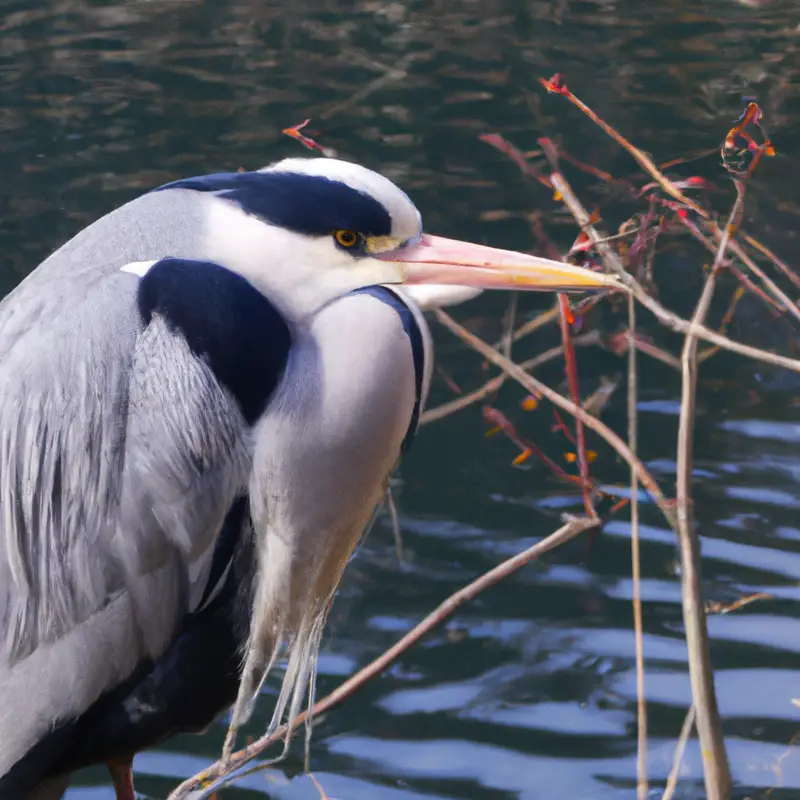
(308, 204)
(414, 334)
(225, 320)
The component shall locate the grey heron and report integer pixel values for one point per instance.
(202, 397)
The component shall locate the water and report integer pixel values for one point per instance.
(529, 691)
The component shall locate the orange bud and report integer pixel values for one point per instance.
(571, 458)
(522, 457)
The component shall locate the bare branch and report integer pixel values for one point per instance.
(783, 299)
(709, 727)
(555, 85)
(765, 251)
(680, 748)
(491, 386)
(318, 786)
(642, 789)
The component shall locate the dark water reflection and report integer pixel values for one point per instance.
(530, 691)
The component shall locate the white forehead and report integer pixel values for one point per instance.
(406, 219)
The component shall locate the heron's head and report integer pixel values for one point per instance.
(334, 226)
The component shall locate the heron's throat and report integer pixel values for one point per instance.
(294, 593)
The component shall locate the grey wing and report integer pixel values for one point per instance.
(166, 223)
(186, 460)
(119, 457)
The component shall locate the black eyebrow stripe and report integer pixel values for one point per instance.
(308, 204)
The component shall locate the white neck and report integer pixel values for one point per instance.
(245, 244)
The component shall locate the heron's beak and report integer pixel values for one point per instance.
(448, 261)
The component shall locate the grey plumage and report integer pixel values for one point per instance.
(122, 455)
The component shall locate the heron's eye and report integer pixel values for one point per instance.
(346, 238)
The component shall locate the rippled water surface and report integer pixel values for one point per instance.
(529, 691)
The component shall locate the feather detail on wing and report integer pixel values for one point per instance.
(63, 408)
(117, 448)
(120, 455)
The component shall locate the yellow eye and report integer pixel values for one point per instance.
(346, 238)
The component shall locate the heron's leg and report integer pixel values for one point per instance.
(122, 775)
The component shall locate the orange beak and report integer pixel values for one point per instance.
(437, 260)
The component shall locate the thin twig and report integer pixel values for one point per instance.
(783, 299)
(642, 789)
(535, 324)
(499, 422)
(220, 773)
(466, 400)
(649, 349)
(322, 793)
(777, 769)
(533, 385)
(580, 248)
(491, 386)
(765, 251)
(555, 86)
(771, 286)
(680, 748)
(709, 727)
(571, 369)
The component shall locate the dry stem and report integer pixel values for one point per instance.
(571, 369)
(642, 789)
(491, 386)
(318, 786)
(641, 158)
(709, 726)
(765, 251)
(783, 299)
(680, 748)
(535, 324)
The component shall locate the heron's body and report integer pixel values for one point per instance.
(196, 424)
(127, 546)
